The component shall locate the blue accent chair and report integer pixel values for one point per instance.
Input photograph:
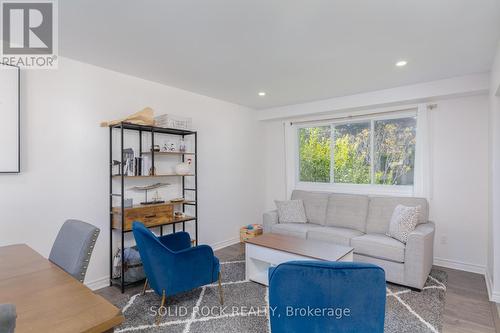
(172, 265)
(320, 296)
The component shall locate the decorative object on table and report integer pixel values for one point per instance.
(177, 200)
(182, 146)
(250, 231)
(137, 166)
(169, 147)
(173, 121)
(116, 168)
(183, 168)
(157, 198)
(133, 268)
(179, 215)
(127, 203)
(128, 159)
(147, 188)
(143, 117)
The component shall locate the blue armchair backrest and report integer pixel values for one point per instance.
(154, 254)
(318, 296)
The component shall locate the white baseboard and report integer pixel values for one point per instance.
(462, 266)
(224, 243)
(104, 281)
(99, 283)
(494, 296)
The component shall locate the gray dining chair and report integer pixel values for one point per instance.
(73, 247)
(7, 318)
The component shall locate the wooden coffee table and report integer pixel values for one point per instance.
(269, 250)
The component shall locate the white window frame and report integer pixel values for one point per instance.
(374, 189)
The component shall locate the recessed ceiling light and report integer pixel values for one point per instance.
(401, 63)
(262, 93)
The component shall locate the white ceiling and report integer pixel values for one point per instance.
(295, 50)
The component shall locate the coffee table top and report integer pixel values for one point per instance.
(308, 248)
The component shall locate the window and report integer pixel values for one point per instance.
(351, 154)
(395, 151)
(314, 154)
(374, 151)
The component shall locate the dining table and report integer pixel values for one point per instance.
(48, 299)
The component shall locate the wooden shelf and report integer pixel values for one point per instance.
(168, 221)
(157, 176)
(186, 202)
(168, 153)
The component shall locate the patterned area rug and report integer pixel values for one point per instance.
(245, 305)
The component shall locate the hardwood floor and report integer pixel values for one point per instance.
(467, 308)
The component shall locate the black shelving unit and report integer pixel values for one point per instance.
(140, 129)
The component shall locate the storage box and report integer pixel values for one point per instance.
(246, 232)
(173, 121)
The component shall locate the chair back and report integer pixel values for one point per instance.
(319, 296)
(154, 254)
(73, 247)
(7, 318)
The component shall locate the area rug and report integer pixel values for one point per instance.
(245, 307)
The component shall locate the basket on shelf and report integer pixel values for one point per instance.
(173, 121)
(250, 231)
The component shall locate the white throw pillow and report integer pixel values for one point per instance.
(291, 211)
(403, 221)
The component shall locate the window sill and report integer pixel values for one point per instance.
(406, 191)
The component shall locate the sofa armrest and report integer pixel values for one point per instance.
(270, 218)
(419, 254)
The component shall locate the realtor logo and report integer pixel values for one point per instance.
(29, 34)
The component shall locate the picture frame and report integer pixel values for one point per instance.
(10, 115)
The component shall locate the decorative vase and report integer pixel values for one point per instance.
(183, 168)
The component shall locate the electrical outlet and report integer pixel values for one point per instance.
(444, 240)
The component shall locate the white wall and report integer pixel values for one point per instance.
(65, 157)
(493, 277)
(459, 152)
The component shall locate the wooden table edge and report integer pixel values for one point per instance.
(251, 241)
(108, 325)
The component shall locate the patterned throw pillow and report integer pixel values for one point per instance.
(291, 211)
(403, 221)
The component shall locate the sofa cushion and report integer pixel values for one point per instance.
(315, 204)
(341, 236)
(403, 222)
(293, 229)
(291, 211)
(380, 211)
(379, 246)
(347, 211)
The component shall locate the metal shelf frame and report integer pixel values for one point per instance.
(121, 127)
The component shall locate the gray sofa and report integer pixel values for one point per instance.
(362, 221)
